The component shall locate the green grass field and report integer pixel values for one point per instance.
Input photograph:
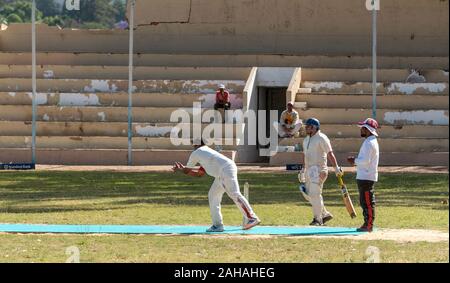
(403, 201)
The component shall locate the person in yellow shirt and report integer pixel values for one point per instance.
(290, 124)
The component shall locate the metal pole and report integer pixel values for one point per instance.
(130, 83)
(374, 60)
(33, 64)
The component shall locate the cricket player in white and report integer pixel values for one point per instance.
(224, 170)
(367, 171)
(316, 150)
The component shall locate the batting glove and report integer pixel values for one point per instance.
(339, 172)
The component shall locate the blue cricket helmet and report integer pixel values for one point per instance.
(313, 122)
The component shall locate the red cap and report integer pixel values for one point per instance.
(371, 125)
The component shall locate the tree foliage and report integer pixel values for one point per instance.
(98, 14)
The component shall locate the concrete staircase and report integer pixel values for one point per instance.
(413, 116)
(82, 111)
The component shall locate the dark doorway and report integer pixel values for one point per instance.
(271, 98)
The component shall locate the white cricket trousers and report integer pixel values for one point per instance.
(227, 182)
(314, 186)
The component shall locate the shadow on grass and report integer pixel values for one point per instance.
(51, 209)
(36, 192)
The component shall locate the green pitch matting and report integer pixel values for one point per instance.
(166, 229)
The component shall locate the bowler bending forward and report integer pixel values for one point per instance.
(224, 170)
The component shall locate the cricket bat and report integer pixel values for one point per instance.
(347, 200)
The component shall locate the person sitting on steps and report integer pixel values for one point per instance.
(222, 99)
(290, 124)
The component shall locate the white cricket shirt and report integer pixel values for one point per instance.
(367, 160)
(212, 161)
(316, 149)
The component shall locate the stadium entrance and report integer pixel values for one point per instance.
(271, 98)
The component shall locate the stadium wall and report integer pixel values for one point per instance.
(417, 28)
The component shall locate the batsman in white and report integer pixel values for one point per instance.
(316, 150)
(224, 170)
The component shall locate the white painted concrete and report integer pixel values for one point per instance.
(102, 116)
(78, 99)
(100, 85)
(432, 117)
(49, 74)
(410, 88)
(318, 86)
(41, 98)
(153, 131)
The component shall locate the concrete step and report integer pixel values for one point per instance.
(386, 144)
(384, 116)
(386, 158)
(221, 60)
(206, 73)
(365, 75)
(386, 88)
(121, 72)
(116, 99)
(109, 129)
(404, 102)
(98, 157)
(387, 131)
(93, 86)
(75, 142)
(92, 114)
(23, 128)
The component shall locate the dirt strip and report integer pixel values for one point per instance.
(397, 235)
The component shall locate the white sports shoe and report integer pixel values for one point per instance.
(252, 222)
(214, 228)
